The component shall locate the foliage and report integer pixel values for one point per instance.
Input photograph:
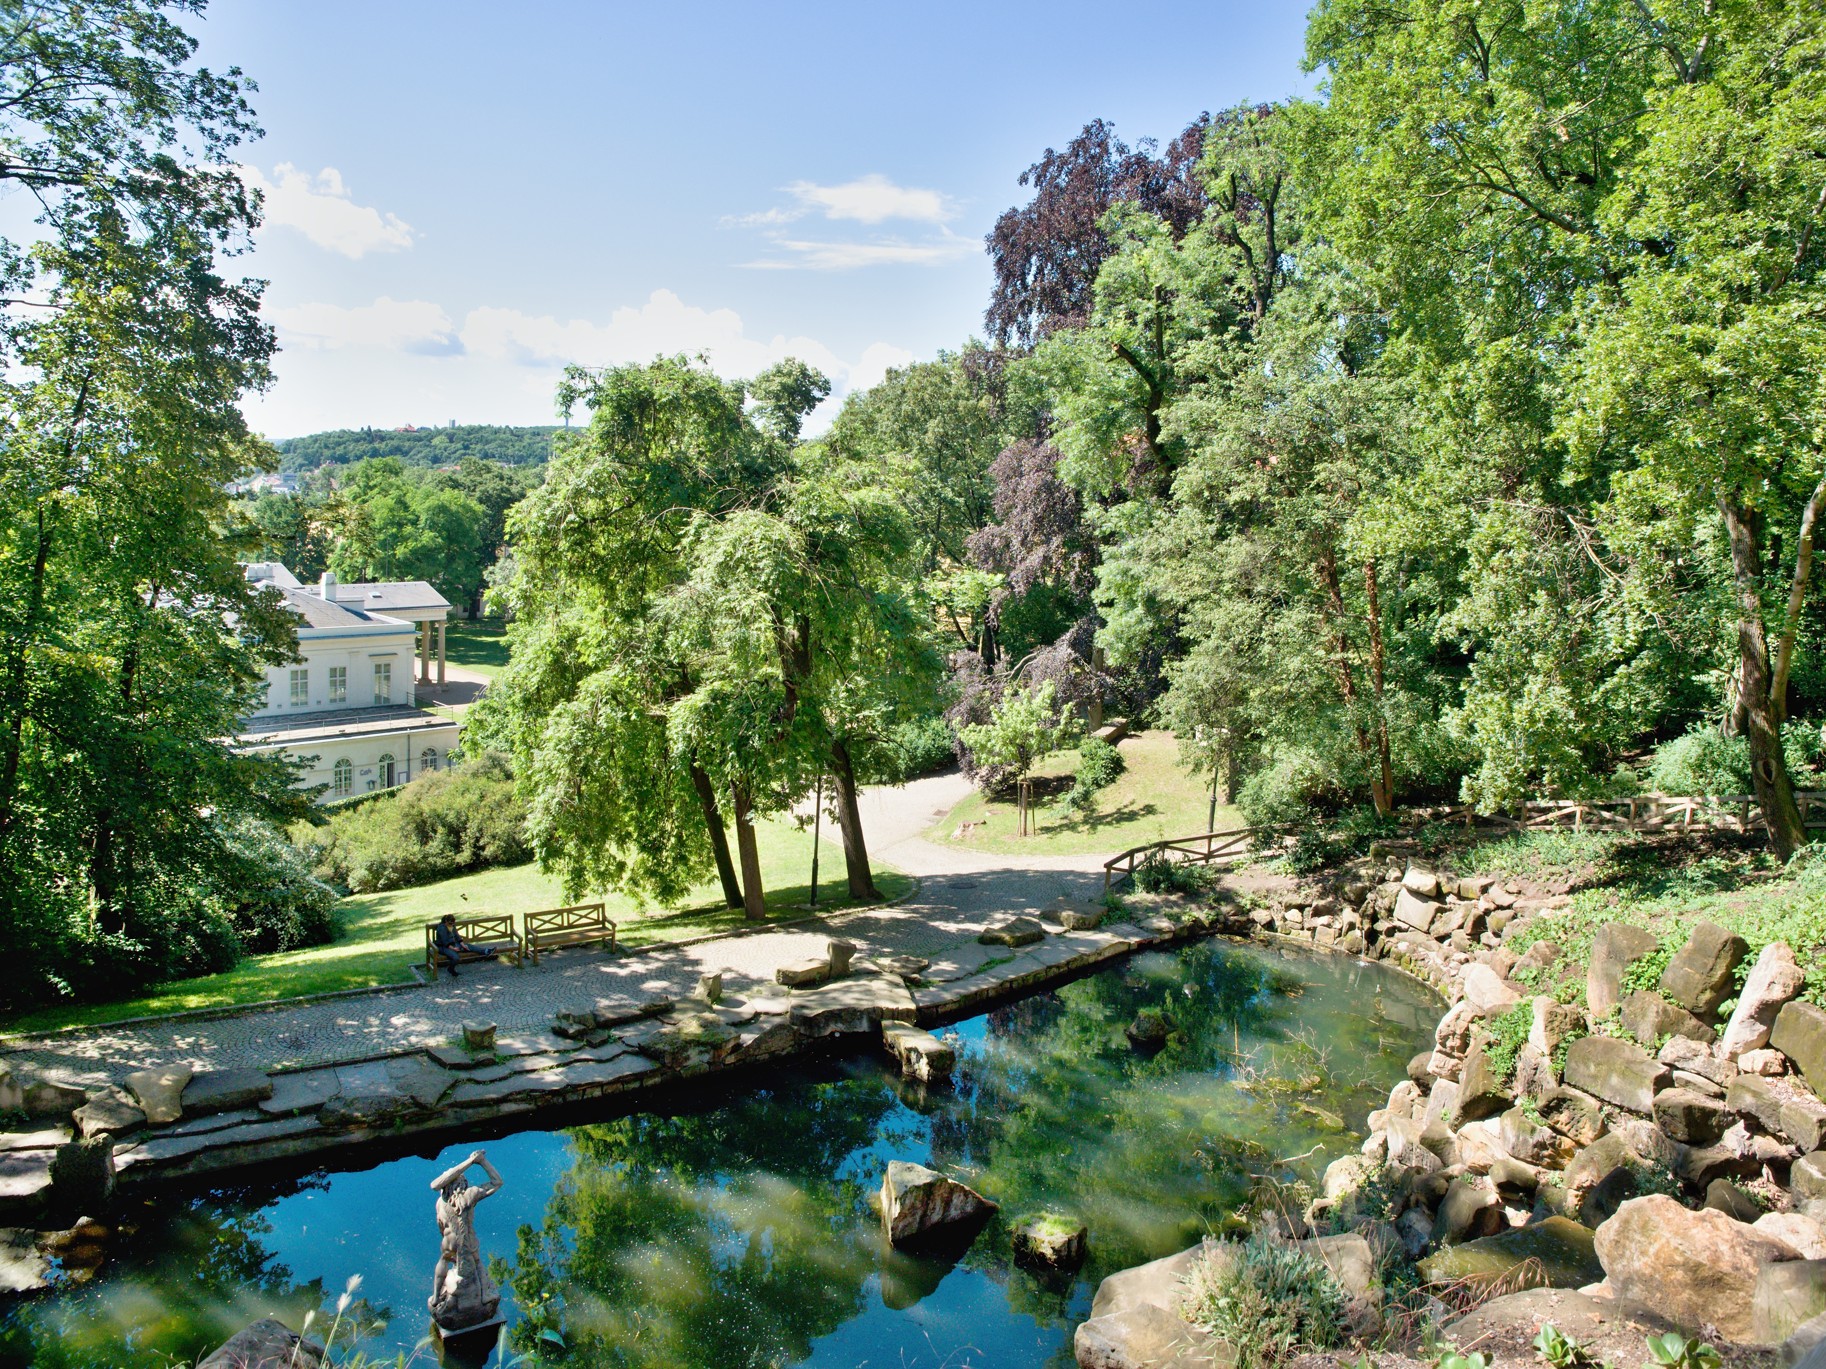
(420, 446)
(444, 823)
(1671, 1350)
(1099, 765)
(1271, 1300)
(911, 750)
(1503, 1039)
(1024, 726)
(1706, 761)
(1559, 1351)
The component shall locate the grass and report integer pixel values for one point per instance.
(383, 934)
(480, 646)
(1153, 798)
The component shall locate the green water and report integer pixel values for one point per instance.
(737, 1231)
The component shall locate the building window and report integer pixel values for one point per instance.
(339, 684)
(301, 688)
(383, 684)
(385, 766)
(342, 778)
(428, 758)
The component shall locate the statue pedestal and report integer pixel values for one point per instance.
(466, 1345)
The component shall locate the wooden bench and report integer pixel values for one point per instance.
(494, 932)
(573, 926)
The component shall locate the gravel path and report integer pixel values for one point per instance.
(960, 892)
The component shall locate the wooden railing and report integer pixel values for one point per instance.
(1644, 813)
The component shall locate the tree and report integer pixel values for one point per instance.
(1047, 252)
(130, 641)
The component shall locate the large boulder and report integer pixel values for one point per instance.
(1787, 1294)
(1698, 1268)
(1555, 1253)
(1690, 1118)
(1616, 947)
(1050, 1241)
(1647, 1016)
(1411, 910)
(919, 1203)
(1532, 1142)
(1800, 1034)
(1703, 973)
(1481, 1093)
(1774, 981)
(1618, 1072)
(160, 1091)
(1577, 1116)
(1470, 1209)
(225, 1090)
(1488, 991)
(267, 1344)
(1552, 1023)
(1135, 1320)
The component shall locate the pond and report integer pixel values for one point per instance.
(737, 1231)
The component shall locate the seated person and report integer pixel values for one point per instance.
(450, 945)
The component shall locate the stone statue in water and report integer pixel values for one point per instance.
(462, 1294)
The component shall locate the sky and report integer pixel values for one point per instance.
(461, 198)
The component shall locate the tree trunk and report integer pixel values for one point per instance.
(1333, 616)
(754, 900)
(1768, 767)
(849, 823)
(1382, 789)
(719, 839)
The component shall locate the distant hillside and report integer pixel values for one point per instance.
(418, 446)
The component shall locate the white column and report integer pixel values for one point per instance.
(441, 629)
(424, 652)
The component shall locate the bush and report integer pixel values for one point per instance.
(919, 747)
(443, 823)
(1272, 1301)
(1705, 761)
(1287, 792)
(1157, 873)
(1099, 763)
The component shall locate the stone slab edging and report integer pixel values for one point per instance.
(267, 1005)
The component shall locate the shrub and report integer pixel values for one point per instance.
(1705, 761)
(921, 746)
(1099, 764)
(441, 824)
(1157, 873)
(1272, 1301)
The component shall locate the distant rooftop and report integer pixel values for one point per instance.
(330, 603)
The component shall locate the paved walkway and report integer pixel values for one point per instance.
(960, 892)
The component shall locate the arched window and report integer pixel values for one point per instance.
(428, 758)
(385, 765)
(343, 778)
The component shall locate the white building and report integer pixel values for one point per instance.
(350, 709)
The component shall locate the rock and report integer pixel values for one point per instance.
(1411, 910)
(1724, 1196)
(1349, 1258)
(1616, 947)
(1534, 1076)
(267, 1344)
(922, 1055)
(1013, 931)
(1533, 1143)
(1345, 1175)
(1774, 980)
(1147, 1337)
(1771, 1064)
(1703, 973)
(803, 974)
(225, 1090)
(1486, 990)
(1688, 1117)
(1577, 1116)
(1803, 1119)
(1697, 1268)
(1539, 956)
(1803, 1233)
(1051, 1241)
(25, 1185)
(1648, 1017)
(1469, 1210)
(1406, 1099)
(1690, 1054)
(1480, 1093)
(1807, 1177)
(82, 1177)
(1800, 1034)
(917, 1203)
(1552, 1023)
(841, 953)
(46, 1098)
(1421, 881)
(1417, 1069)
(479, 1037)
(1080, 919)
(709, 988)
(1452, 1034)
(1441, 1104)
(1406, 1153)
(1149, 1031)
(1786, 1295)
(159, 1092)
(1757, 1098)
(1618, 1072)
(1555, 1253)
(107, 1115)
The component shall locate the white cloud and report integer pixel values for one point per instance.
(664, 324)
(413, 325)
(808, 255)
(878, 358)
(874, 199)
(321, 208)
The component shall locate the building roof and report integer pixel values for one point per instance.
(270, 573)
(390, 596)
(321, 613)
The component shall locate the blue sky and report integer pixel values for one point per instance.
(464, 197)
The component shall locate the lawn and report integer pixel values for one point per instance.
(480, 646)
(383, 934)
(1153, 798)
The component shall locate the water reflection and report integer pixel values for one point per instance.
(741, 1233)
